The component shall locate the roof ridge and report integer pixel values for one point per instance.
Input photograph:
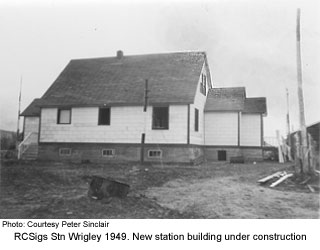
(141, 55)
(228, 88)
(256, 98)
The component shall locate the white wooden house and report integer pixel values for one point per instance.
(94, 111)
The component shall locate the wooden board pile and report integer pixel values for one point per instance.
(281, 176)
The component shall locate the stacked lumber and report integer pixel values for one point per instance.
(280, 175)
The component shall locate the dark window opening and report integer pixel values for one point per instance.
(222, 155)
(104, 116)
(64, 116)
(65, 151)
(203, 84)
(160, 118)
(154, 153)
(108, 152)
(196, 120)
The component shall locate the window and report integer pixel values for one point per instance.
(104, 116)
(160, 118)
(155, 153)
(108, 152)
(65, 151)
(196, 120)
(203, 84)
(64, 116)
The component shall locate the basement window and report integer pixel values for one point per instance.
(65, 151)
(222, 155)
(108, 152)
(64, 116)
(104, 116)
(160, 118)
(196, 120)
(155, 153)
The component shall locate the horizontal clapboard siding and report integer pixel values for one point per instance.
(31, 125)
(250, 130)
(126, 126)
(221, 128)
(197, 137)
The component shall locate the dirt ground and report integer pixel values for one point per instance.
(210, 190)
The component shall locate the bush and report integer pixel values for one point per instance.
(8, 143)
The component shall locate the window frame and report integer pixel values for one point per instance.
(196, 120)
(156, 156)
(203, 84)
(112, 150)
(154, 127)
(99, 119)
(59, 113)
(67, 155)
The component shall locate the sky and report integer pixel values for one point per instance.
(249, 43)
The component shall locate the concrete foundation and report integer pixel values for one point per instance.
(92, 152)
(250, 154)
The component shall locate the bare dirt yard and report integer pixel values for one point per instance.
(211, 190)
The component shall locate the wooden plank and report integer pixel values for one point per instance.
(310, 188)
(305, 181)
(277, 174)
(315, 187)
(281, 180)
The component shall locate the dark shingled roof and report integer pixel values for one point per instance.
(234, 99)
(226, 99)
(255, 105)
(33, 109)
(172, 79)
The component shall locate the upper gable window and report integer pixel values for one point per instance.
(160, 118)
(104, 116)
(203, 84)
(64, 116)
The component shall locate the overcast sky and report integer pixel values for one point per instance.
(249, 43)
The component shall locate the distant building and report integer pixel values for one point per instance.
(94, 112)
(314, 131)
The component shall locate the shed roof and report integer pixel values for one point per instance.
(255, 105)
(234, 99)
(172, 77)
(226, 99)
(33, 109)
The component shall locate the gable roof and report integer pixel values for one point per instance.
(234, 99)
(172, 78)
(33, 109)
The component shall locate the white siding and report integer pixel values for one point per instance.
(221, 128)
(31, 125)
(250, 130)
(126, 126)
(197, 137)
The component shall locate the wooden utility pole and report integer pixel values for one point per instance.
(288, 129)
(19, 107)
(143, 135)
(280, 153)
(304, 141)
(288, 118)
